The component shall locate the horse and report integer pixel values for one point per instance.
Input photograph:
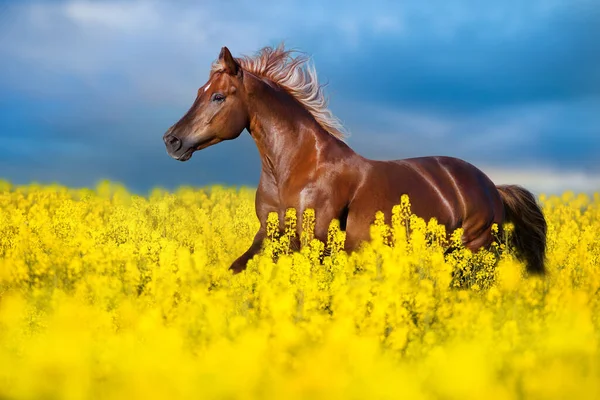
(307, 164)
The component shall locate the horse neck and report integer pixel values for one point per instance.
(288, 137)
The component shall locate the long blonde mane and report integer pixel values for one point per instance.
(295, 75)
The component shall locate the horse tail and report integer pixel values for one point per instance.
(529, 236)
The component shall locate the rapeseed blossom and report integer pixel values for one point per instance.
(105, 294)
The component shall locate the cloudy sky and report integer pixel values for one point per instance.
(87, 88)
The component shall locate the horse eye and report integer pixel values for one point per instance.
(218, 97)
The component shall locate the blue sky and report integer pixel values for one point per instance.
(87, 88)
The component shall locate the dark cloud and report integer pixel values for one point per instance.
(557, 60)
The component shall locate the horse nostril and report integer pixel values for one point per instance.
(173, 142)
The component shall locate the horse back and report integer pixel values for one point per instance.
(452, 190)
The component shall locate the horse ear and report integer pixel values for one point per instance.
(228, 62)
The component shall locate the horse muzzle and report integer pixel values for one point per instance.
(175, 147)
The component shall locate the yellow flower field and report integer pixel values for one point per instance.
(104, 294)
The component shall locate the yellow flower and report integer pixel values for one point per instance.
(107, 294)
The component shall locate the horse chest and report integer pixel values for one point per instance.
(302, 197)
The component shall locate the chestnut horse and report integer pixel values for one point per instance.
(306, 163)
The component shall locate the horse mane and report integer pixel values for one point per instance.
(296, 76)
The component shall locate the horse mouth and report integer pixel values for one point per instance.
(186, 155)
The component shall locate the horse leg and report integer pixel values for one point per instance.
(477, 231)
(358, 231)
(239, 265)
(323, 218)
(484, 240)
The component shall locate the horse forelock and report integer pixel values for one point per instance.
(292, 70)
